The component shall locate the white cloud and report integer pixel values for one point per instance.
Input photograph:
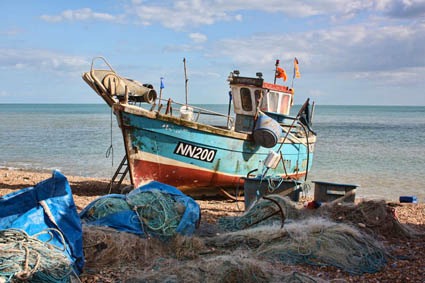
(394, 51)
(184, 48)
(188, 13)
(198, 37)
(41, 60)
(11, 31)
(182, 14)
(80, 15)
(402, 8)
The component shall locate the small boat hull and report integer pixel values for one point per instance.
(198, 158)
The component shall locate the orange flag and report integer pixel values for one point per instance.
(296, 69)
(280, 73)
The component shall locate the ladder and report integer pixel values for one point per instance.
(120, 174)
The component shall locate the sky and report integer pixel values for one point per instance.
(362, 52)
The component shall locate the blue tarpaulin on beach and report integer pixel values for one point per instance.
(122, 212)
(47, 205)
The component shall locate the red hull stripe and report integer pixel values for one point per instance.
(186, 179)
(180, 176)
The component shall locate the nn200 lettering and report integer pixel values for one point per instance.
(195, 152)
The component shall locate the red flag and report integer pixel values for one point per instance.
(296, 69)
(280, 73)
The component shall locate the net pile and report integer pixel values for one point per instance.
(223, 268)
(105, 247)
(265, 211)
(106, 206)
(314, 241)
(146, 213)
(25, 258)
(159, 213)
(374, 216)
(248, 246)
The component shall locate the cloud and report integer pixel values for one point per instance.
(184, 14)
(364, 48)
(184, 48)
(178, 15)
(41, 60)
(11, 31)
(84, 14)
(198, 37)
(402, 8)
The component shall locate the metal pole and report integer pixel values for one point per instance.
(185, 79)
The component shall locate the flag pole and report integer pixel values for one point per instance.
(161, 86)
(296, 72)
(275, 71)
(293, 77)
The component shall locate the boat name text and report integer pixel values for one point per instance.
(195, 152)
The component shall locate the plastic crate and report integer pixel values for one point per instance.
(327, 191)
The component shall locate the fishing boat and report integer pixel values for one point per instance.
(202, 151)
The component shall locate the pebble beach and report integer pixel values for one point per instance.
(405, 263)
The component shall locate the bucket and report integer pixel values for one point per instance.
(267, 131)
(186, 113)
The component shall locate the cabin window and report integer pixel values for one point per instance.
(276, 102)
(246, 99)
(272, 101)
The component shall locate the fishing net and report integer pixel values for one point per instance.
(374, 216)
(265, 211)
(106, 206)
(320, 242)
(187, 247)
(25, 258)
(155, 210)
(159, 212)
(104, 247)
(223, 268)
(314, 241)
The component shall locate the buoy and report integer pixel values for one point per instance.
(267, 131)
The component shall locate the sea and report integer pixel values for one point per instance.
(380, 149)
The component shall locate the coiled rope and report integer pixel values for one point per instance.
(158, 212)
(24, 257)
(266, 209)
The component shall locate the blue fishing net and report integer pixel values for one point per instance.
(154, 209)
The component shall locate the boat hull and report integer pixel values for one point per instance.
(198, 158)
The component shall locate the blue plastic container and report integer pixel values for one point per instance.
(267, 131)
(409, 199)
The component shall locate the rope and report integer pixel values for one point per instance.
(25, 257)
(110, 152)
(159, 212)
(261, 211)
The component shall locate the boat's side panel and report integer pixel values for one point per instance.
(185, 157)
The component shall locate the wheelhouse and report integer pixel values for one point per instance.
(252, 95)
